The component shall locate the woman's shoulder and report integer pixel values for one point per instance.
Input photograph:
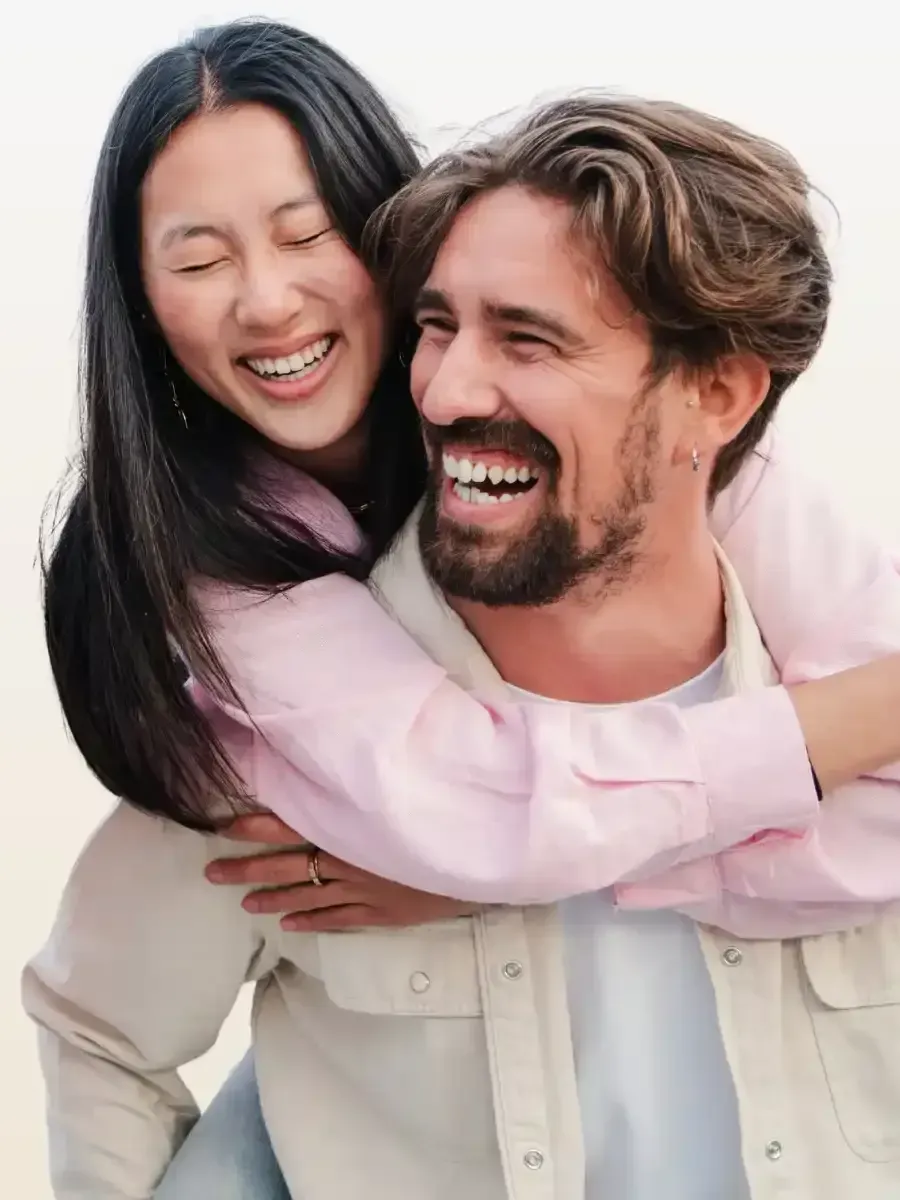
(290, 491)
(765, 465)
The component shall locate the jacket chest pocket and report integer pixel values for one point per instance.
(427, 971)
(854, 1006)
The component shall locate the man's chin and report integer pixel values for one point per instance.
(465, 568)
(531, 564)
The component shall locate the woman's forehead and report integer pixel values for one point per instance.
(242, 162)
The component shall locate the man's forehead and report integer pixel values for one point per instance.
(510, 247)
(514, 249)
(510, 230)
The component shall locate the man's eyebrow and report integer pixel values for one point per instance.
(191, 229)
(434, 299)
(524, 314)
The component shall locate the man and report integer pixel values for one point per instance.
(612, 300)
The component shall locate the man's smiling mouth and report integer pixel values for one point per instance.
(489, 477)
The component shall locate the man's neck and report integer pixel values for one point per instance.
(662, 628)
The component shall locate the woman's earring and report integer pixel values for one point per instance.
(177, 404)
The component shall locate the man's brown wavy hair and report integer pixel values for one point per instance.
(707, 229)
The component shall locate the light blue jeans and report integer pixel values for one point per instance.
(227, 1155)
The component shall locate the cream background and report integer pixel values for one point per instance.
(822, 81)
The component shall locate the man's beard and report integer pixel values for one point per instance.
(548, 561)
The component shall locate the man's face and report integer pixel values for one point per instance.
(547, 444)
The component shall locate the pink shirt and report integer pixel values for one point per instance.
(370, 750)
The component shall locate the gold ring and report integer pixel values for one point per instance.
(312, 866)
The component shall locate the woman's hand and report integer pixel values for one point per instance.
(348, 898)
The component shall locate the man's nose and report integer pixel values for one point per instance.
(270, 299)
(461, 387)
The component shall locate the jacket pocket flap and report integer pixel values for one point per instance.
(857, 969)
(427, 971)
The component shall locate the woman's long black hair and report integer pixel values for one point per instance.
(158, 504)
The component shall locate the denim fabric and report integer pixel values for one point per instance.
(227, 1154)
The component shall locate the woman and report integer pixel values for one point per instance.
(189, 448)
(244, 167)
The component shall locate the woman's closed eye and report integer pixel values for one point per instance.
(313, 237)
(196, 268)
(207, 265)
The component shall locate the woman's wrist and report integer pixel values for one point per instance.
(851, 721)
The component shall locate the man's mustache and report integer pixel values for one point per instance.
(513, 437)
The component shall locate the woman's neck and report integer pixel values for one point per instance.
(341, 466)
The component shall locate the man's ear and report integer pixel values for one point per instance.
(728, 395)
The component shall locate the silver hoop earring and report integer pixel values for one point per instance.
(695, 459)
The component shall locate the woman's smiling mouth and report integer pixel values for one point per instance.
(292, 376)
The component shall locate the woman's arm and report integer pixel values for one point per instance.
(143, 965)
(826, 597)
(373, 753)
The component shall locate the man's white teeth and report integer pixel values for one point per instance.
(474, 495)
(467, 471)
(295, 365)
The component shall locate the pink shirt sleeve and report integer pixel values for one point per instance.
(369, 750)
(826, 597)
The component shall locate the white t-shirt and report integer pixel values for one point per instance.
(658, 1106)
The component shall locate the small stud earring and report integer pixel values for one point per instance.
(695, 459)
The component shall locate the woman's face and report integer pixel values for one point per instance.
(258, 296)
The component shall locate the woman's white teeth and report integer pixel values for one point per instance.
(295, 365)
(467, 471)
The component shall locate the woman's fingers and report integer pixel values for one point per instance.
(300, 899)
(334, 920)
(348, 898)
(279, 869)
